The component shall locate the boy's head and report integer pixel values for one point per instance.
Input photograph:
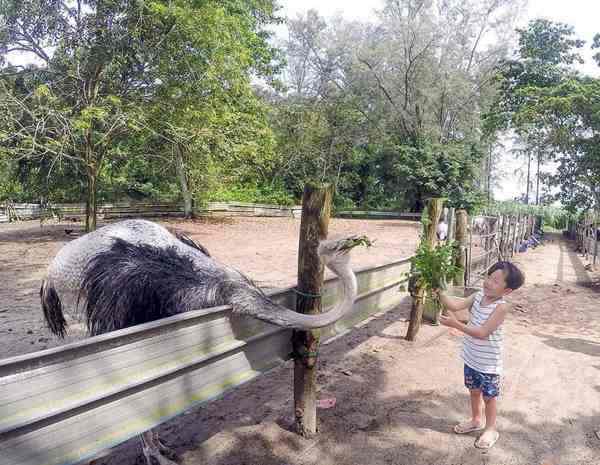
(502, 279)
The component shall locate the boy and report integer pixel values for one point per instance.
(482, 346)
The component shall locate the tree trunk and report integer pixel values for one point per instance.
(185, 191)
(489, 175)
(434, 210)
(537, 193)
(462, 240)
(528, 176)
(91, 169)
(316, 208)
(91, 206)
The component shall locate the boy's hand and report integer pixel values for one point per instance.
(449, 320)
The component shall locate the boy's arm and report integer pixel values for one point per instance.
(455, 304)
(482, 332)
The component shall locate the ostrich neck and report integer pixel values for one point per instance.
(289, 319)
(349, 289)
(249, 301)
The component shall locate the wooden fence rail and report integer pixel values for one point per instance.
(121, 210)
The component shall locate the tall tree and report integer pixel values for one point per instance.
(546, 51)
(104, 63)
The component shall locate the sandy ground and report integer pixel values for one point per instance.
(397, 401)
(266, 249)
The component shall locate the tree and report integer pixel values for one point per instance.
(545, 53)
(205, 109)
(366, 98)
(108, 64)
(77, 103)
(570, 112)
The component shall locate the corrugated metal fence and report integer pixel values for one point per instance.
(65, 405)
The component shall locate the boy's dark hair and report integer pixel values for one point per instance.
(513, 276)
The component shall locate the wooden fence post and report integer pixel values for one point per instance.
(503, 234)
(462, 240)
(314, 225)
(493, 241)
(515, 236)
(434, 210)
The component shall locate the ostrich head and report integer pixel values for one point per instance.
(335, 253)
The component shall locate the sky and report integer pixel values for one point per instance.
(582, 14)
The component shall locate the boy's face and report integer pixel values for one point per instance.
(495, 285)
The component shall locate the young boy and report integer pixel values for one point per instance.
(482, 346)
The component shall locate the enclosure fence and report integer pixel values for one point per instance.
(65, 405)
(588, 236)
(493, 238)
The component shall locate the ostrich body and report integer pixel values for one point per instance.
(136, 271)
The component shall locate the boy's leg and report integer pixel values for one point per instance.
(490, 412)
(476, 422)
(476, 406)
(490, 389)
(473, 384)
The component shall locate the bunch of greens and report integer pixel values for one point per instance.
(433, 266)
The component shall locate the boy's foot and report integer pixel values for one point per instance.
(487, 439)
(468, 427)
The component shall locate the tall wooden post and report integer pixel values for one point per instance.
(515, 235)
(434, 210)
(500, 237)
(314, 224)
(492, 252)
(462, 220)
(506, 238)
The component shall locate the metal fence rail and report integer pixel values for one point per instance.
(65, 405)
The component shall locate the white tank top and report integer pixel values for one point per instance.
(483, 355)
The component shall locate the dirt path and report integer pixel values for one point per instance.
(397, 402)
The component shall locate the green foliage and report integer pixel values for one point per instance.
(554, 109)
(156, 100)
(127, 82)
(554, 217)
(354, 241)
(10, 187)
(433, 267)
(274, 195)
(548, 42)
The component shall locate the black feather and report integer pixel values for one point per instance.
(53, 313)
(132, 284)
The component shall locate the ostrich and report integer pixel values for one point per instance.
(136, 271)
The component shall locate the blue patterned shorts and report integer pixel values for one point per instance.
(489, 384)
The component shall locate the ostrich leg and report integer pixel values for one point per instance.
(164, 450)
(154, 449)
